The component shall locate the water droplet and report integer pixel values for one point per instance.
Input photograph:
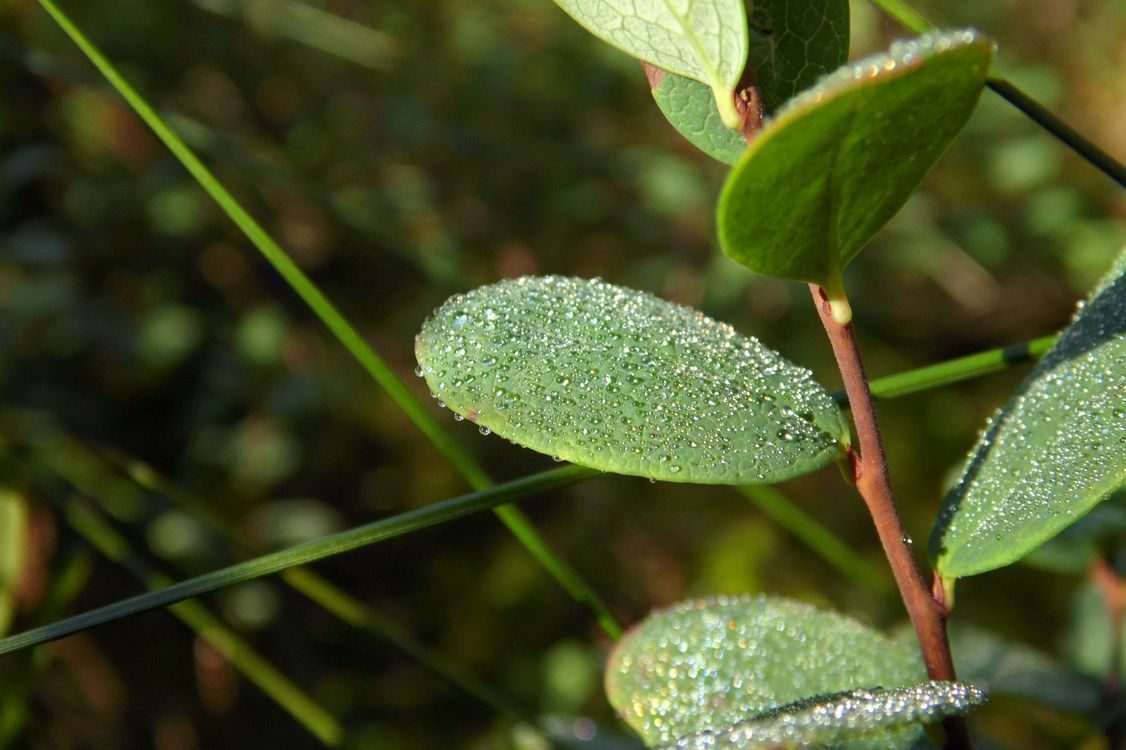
(484, 430)
(458, 417)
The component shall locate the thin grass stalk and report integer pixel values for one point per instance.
(339, 326)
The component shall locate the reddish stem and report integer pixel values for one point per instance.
(870, 472)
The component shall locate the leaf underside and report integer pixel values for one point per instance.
(621, 381)
(843, 157)
(736, 672)
(705, 40)
(1055, 450)
(792, 44)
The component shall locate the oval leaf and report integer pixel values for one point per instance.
(842, 158)
(690, 107)
(706, 666)
(1055, 450)
(701, 39)
(792, 44)
(622, 381)
(872, 716)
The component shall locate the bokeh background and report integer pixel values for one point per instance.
(402, 152)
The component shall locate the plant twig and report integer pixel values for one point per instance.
(870, 472)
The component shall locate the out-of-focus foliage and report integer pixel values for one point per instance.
(402, 152)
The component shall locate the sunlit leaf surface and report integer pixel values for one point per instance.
(701, 39)
(619, 380)
(842, 158)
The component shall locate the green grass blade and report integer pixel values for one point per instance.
(13, 550)
(316, 28)
(307, 712)
(820, 540)
(303, 554)
(1063, 132)
(323, 308)
(955, 370)
(914, 21)
(320, 590)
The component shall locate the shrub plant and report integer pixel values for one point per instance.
(823, 153)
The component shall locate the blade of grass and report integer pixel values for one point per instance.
(315, 28)
(344, 331)
(291, 698)
(20, 679)
(105, 477)
(816, 537)
(1068, 135)
(303, 554)
(955, 370)
(13, 551)
(915, 22)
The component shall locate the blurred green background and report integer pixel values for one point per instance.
(402, 152)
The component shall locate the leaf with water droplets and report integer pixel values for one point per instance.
(748, 671)
(621, 381)
(862, 718)
(792, 43)
(705, 40)
(840, 159)
(1055, 450)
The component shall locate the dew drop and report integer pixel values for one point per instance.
(484, 430)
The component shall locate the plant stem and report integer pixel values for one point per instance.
(870, 472)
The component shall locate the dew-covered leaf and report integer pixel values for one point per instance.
(619, 380)
(705, 40)
(792, 42)
(840, 159)
(870, 718)
(1054, 451)
(706, 666)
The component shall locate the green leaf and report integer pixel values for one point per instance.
(842, 158)
(708, 666)
(621, 381)
(705, 40)
(1055, 450)
(1094, 536)
(792, 44)
(690, 107)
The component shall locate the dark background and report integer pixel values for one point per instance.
(420, 149)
